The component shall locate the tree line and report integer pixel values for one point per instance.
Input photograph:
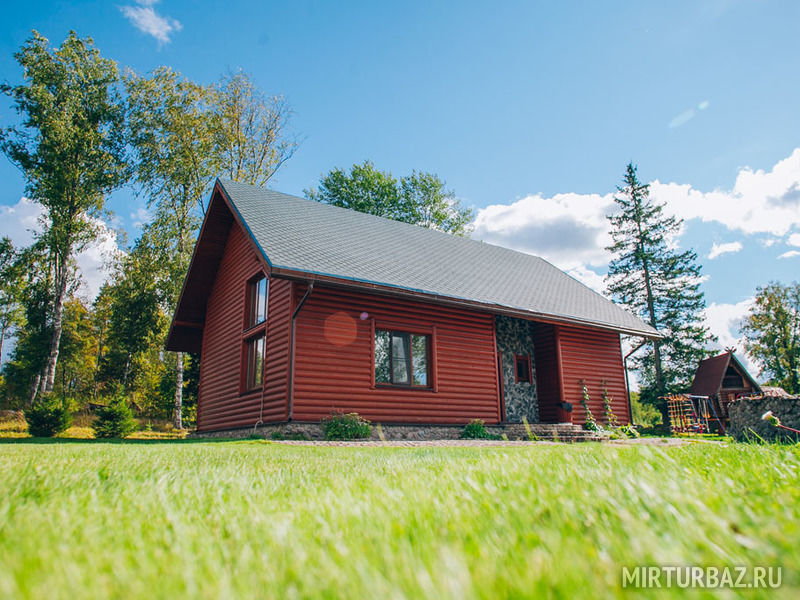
(87, 128)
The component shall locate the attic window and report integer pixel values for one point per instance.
(257, 296)
(732, 379)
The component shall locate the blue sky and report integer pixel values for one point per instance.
(531, 109)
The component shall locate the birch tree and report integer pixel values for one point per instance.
(172, 131)
(251, 130)
(11, 315)
(70, 146)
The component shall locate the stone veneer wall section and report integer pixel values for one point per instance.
(515, 336)
(745, 418)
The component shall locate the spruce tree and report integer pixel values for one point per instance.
(660, 284)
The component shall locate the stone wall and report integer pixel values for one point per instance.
(745, 418)
(515, 336)
(313, 431)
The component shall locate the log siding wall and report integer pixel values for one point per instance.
(594, 356)
(221, 405)
(334, 360)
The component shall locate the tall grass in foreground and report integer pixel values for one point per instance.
(256, 520)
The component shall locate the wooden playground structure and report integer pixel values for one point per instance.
(694, 414)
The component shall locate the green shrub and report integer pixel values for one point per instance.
(48, 417)
(476, 430)
(340, 426)
(645, 415)
(115, 420)
(629, 431)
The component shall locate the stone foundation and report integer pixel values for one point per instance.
(745, 418)
(313, 431)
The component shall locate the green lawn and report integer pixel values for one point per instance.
(257, 519)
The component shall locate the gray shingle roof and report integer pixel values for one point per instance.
(306, 236)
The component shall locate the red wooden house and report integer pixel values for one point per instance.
(300, 308)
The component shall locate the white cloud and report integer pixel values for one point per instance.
(145, 18)
(21, 220)
(95, 261)
(569, 230)
(720, 249)
(589, 278)
(760, 201)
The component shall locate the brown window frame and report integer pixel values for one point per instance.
(252, 333)
(429, 358)
(529, 370)
(254, 378)
(251, 301)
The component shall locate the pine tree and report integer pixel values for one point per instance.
(660, 284)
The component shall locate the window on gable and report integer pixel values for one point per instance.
(254, 334)
(257, 298)
(402, 358)
(732, 379)
(523, 368)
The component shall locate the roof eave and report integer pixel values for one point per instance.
(746, 372)
(385, 289)
(172, 342)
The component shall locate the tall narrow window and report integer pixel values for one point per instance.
(402, 358)
(258, 292)
(255, 362)
(254, 335)
(523, 368)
